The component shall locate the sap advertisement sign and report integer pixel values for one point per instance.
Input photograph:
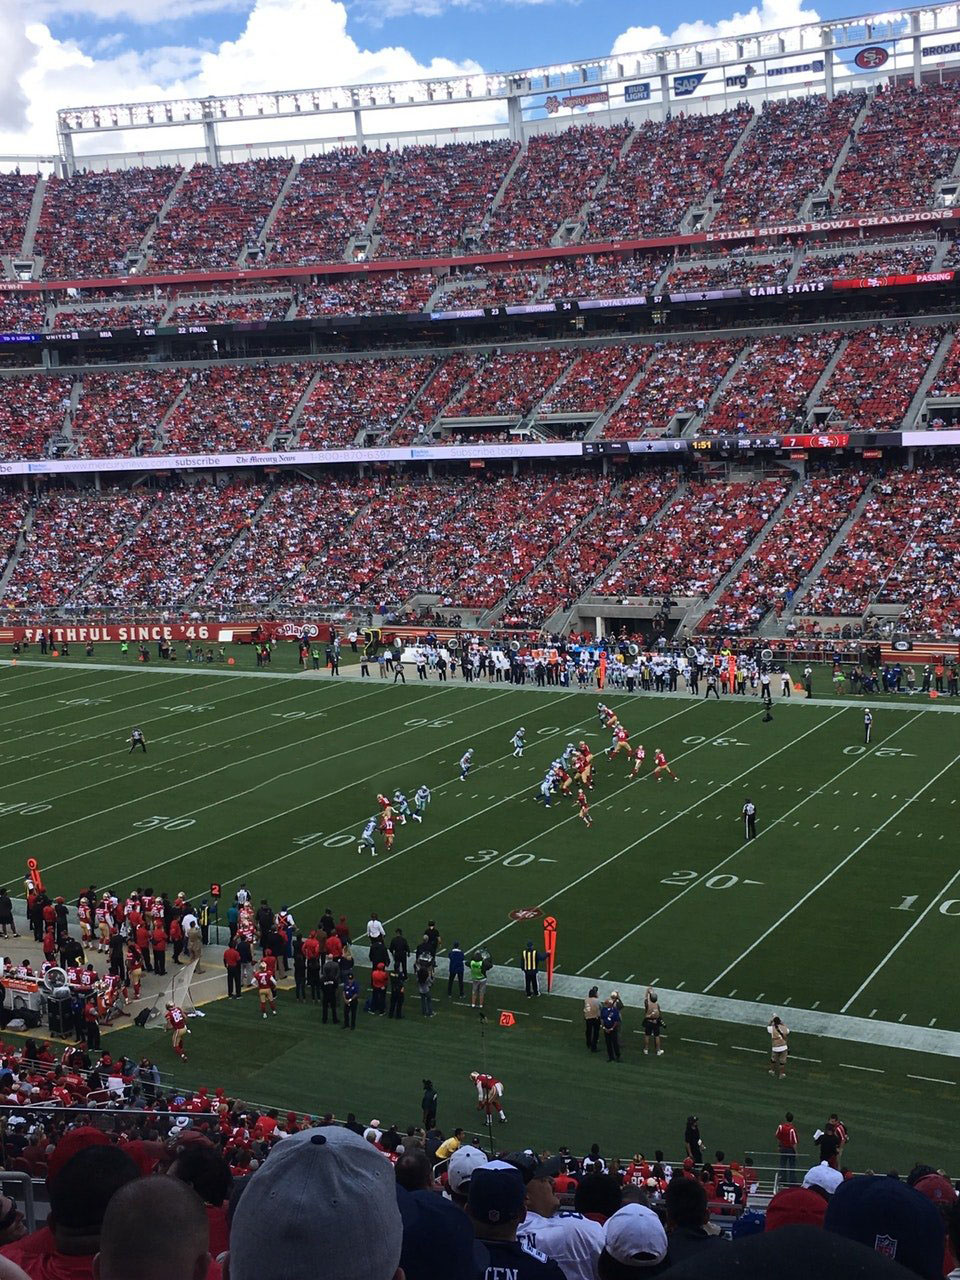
(683, 86)
(637, 92)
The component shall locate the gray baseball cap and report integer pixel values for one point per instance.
(323, 1193)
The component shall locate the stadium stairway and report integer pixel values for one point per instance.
(933, 368)
(772, 625)
(33, 219)
(571, 231)
(813, 398)
(699, 216)
(347, 538)
(21, 543)
(196, 596)
(97, 567)
(143, 249)
(694, 424)
(490, 616)
(819, 201)
(588, 592)
(263, 238)
(291, 430)
(412, 403)
(699, 611)
(596, 431)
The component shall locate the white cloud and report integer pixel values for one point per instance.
(282, 43)
(768, 15)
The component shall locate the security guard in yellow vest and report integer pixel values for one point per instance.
(203, 919)
(530, 958)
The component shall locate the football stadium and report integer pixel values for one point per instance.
(482, 552)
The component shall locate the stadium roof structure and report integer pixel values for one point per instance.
(919, 43)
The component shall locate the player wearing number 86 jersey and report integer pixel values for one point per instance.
(177, 1022)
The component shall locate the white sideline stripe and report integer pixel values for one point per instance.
(899, 943)
(99, 782)
(350, 673)
(469, 818)
(852, 1066)
(265, 782)
(98, 813)
(702, 800)
(932, 1079)
(830, 874)
(815, 1023)
(743, 1048)
(690, 1040)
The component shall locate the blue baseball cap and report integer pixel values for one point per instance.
(892, 1219)
(497, 1194)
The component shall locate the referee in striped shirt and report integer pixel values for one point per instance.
(749, 814)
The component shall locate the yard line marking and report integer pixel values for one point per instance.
(604, 974)
(742, 1048)
(902, 1017)
(829, 876)
(931, 1022)
(469, 818)
(681, 984)
(919, 920)
(872, 1013)
(816, 1005)
(732, 994)
(192, 777)
(690, 1040)
(932, 1079)
(548, 1018)
(168, 737)
(682, 813)
(629, 978)
(852, 1066)
(797, 1058)
(247, 791)
(759, 997)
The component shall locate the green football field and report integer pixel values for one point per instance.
(843, 912)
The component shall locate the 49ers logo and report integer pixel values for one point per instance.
(526, 913)
(871, 58)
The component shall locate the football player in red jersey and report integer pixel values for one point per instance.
(660, 766)
(386, 808)
(489, 1093)
(621, 742)
(177, 1022)
(583, 809)
(564, 781)
(638, 758)
(585, 773)
(387, 827)
(266, 985)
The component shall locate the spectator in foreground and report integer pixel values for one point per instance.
(80, 1191)
(154, 1229)
(208, 1173)
(495, 1205)
(688, 1218)
(891, 1218)
(324, 1199)
(634, 1244)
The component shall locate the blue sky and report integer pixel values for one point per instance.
(498, 34)
(62, 53)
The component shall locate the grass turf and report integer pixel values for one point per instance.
(847, 901)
